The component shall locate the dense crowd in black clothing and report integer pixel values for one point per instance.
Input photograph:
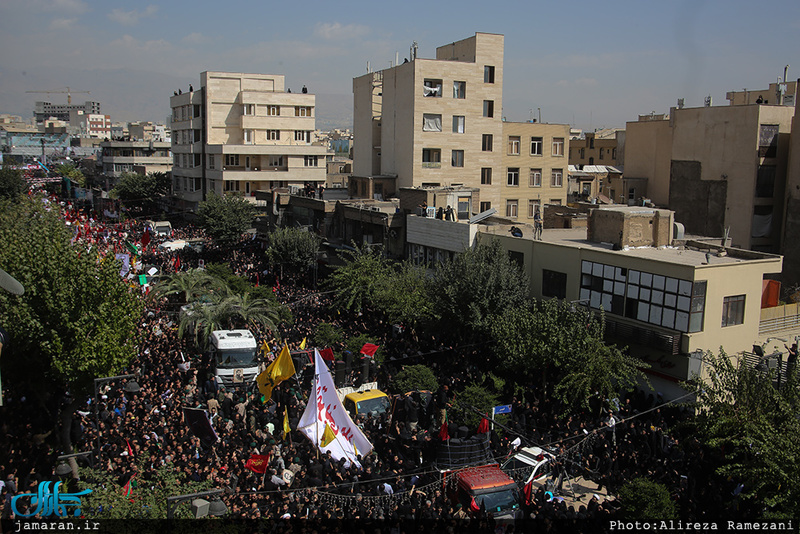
(397, 484)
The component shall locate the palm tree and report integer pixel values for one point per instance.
(246, 311)
(194, 284)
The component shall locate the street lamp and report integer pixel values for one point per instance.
(200, 506)
(131, 387)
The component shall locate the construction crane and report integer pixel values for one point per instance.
(68, 91)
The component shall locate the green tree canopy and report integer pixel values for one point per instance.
(475, 285)
(474, 397)
(645, 500)
(293, 247)
(12, 184)
(77, 319)
(327, 335)
(141, 192)
(404, 295)
(70, 171)
(226, 218)
(359, 280)
(413, 377)
(757, 425)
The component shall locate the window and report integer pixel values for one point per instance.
(274, 111)
(513, 145)
(554, 284)
(762, 221)
(536, 146)
(533, 208)
(432, 88)
(486, 143)
(248, 137)
(196, 111)
(535, 178)
(457, 158)
(459, 89)
(768, 141)
(556, 178)
(302, 111)
(765, 181)
(310, 161)
(198, 160)
(273, 135)
(511, 208)
(513, 176)
(248, 109)
(591, 142)
(211, 161)
(275, 161)
(733, 310)
(431, 123)
(558, 146)
(303, 136)
(488, 108)
(613, 153)
(488, 74)
(458, 123)
(582, 152)
(197, 135)
(485, 206)
(486, 176)
(431, 158)
(231, 185)
(601, 152)
(232, 160)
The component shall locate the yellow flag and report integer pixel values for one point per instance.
(278, 371)
(327, 436)
(286, 427)
(303, 344)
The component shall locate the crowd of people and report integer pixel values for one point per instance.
(136, 434)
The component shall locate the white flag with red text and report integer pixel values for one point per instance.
(325, 408)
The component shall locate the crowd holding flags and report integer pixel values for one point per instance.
(326, 423)
(278, 371)
(258, 463)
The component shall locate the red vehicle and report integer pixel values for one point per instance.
(485, 487)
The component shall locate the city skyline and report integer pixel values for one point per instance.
(585, 64)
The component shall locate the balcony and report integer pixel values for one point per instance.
(431, 165)
(668, 341)
(777, 318)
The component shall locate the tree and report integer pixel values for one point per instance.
(645, 500)
(404, 297)
(475, 397)
(359, 280)
(77, 319)
(68, 170)
(475, 285)
(141, 192)
(12, 184)
(226, 218)
(327, 335)
(191, 285)
(756, 424)
(296, 248)
(415, 377)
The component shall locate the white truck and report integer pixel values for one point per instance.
(234, 357)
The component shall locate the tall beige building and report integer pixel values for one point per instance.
(435, 122)
(243, 133)
(718, 168)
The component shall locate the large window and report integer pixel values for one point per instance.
(273, 135)
(248, 109)
(432, 88)
(533, 207)
(310, 161)
(488, 74)
(554, 284)
(248, 137)
(511, 208)
(733, 310)
(431, 122)
(535, 178)
(536, 146)
(232, 160)
(513, 176)
(303, 136)
(488, 108)
(458, 123)
(457, 158)
(487, 142)
(651, 298)
(275, 161)
(556, 178)
(768, 140)
(459, 89)
(273, 111)
(486, 176)
(431, 157)
(558, 146)
(513, 145)
(302, 111)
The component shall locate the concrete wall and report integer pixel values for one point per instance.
(791, 227)
(444, 235)
(648, 150)
(698, 204)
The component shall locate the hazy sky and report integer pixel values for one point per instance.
(591, 64)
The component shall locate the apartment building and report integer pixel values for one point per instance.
(143, 157)
(433, 122)
(719, 168)
(45, 110)
(243, 133)
(534, 168)
(596, 148)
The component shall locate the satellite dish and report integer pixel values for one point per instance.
(10, 284)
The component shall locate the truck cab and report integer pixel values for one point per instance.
(234, 357)
(489, 488)
(370, 401)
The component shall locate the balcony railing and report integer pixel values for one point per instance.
(784, 317)
(667, 341)
(431, 164)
